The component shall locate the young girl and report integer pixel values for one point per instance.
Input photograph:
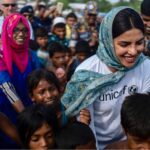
(43, 87)
(118, 69)
(37, 126)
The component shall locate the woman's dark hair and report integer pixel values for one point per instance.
(73, 135)
(32, 118)
(126, 20)
(36, 76)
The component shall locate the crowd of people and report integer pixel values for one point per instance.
(67, 83)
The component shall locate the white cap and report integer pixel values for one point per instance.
(58, 20)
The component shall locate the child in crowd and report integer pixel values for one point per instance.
(43, 87)
(41, 36)
(145, 14)
(57, 54)
(37, 126)
(135, 120)
(76, 136)
(58, 31)
(57, 62)
(71, 20)
(69, 56)
(82, 52)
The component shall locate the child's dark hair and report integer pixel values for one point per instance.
(135, 115)
(125, 20)
(73, 135)
(41, 32)
(145, 7)
(71, 15)
(59, 25)
(55, 47)
(32, 118)
(67, 49)
(82, 46)
(36, 76)
(33, 45)
(41, 6)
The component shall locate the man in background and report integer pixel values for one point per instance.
(145, 14)
(8, 7)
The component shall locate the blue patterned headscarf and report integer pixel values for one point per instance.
(85, 86)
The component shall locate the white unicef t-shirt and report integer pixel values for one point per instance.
(105, 111)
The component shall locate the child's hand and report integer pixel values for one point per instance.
(85, 116)
(61, 75)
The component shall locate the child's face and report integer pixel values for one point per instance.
(71, 21)
(59, 60)
(68, 57)
(42, 41)
(81, 56)
(45, 93)
(138, 143)
(60, 32)
(42, 138)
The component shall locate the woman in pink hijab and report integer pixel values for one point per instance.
(16, 62)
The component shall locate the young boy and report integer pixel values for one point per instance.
(57, 54)
(43, 87)
(145, 14)
(135, 120)
(71, 20)
(59, 31)
(57, 62)
(42, 40)
(76, 136)
(82, 52)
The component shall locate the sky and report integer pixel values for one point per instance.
(114, 1)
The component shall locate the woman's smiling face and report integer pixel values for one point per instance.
(128, 46)
(20, 33)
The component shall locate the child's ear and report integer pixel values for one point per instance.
(33, 100)
(32, 97)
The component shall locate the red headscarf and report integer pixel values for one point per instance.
(11, 51)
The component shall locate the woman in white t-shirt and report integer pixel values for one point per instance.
(118, 69)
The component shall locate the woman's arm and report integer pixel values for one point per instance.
(12, 96)
(8, 128)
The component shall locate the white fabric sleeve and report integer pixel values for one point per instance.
(9, 91)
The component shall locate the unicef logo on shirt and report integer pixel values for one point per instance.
(132, 89)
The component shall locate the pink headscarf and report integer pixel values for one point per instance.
(11, 51)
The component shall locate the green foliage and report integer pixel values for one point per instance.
(104, 5)
(134, 4)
